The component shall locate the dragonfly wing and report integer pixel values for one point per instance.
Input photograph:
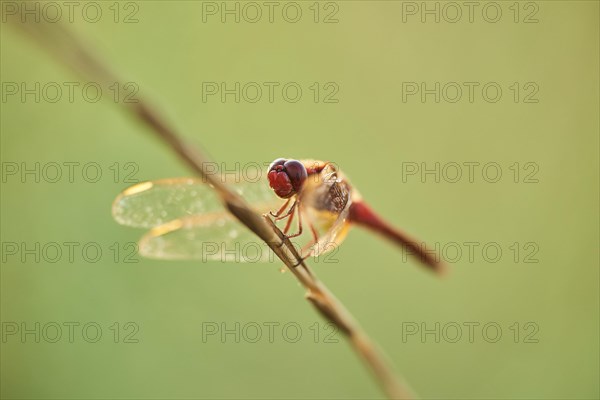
(153, 203)
(326, 199)
(214, 236)
(334, 235)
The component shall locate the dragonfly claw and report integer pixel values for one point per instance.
(302, 259)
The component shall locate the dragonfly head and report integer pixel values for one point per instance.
(286, 177)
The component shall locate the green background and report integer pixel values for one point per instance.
(370, 132)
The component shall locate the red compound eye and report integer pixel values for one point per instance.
(286, 177)
(296, 172)
(279, 161)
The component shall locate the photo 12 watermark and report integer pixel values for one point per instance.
(27, 172)
(289, 92)
(269, 332)
(470, 332)
(477, 252)
(525, 172)
(68, 252)
(455, 12)
(69, 92)
(70, 332)
(469, 92)
(249, 172)
(258, 251)
(92, 12)
(270, 12)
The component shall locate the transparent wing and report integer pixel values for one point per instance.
(188, 221)
(213, 236)
(153, 203)
(326, 200)
(334, 232)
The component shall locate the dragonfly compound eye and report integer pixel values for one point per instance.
(286, 177)
(279, 161)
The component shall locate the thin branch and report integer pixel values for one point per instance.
(68, 49)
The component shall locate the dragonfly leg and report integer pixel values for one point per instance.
(290, 219)
(287, 214)
(280, 211)
(314, 232)
(312, 242)
(302, 259)
(299, 226)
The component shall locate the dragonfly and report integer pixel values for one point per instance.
(313, 200)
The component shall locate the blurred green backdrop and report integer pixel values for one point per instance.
(370, 132)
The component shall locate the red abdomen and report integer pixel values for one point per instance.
(362, 214)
